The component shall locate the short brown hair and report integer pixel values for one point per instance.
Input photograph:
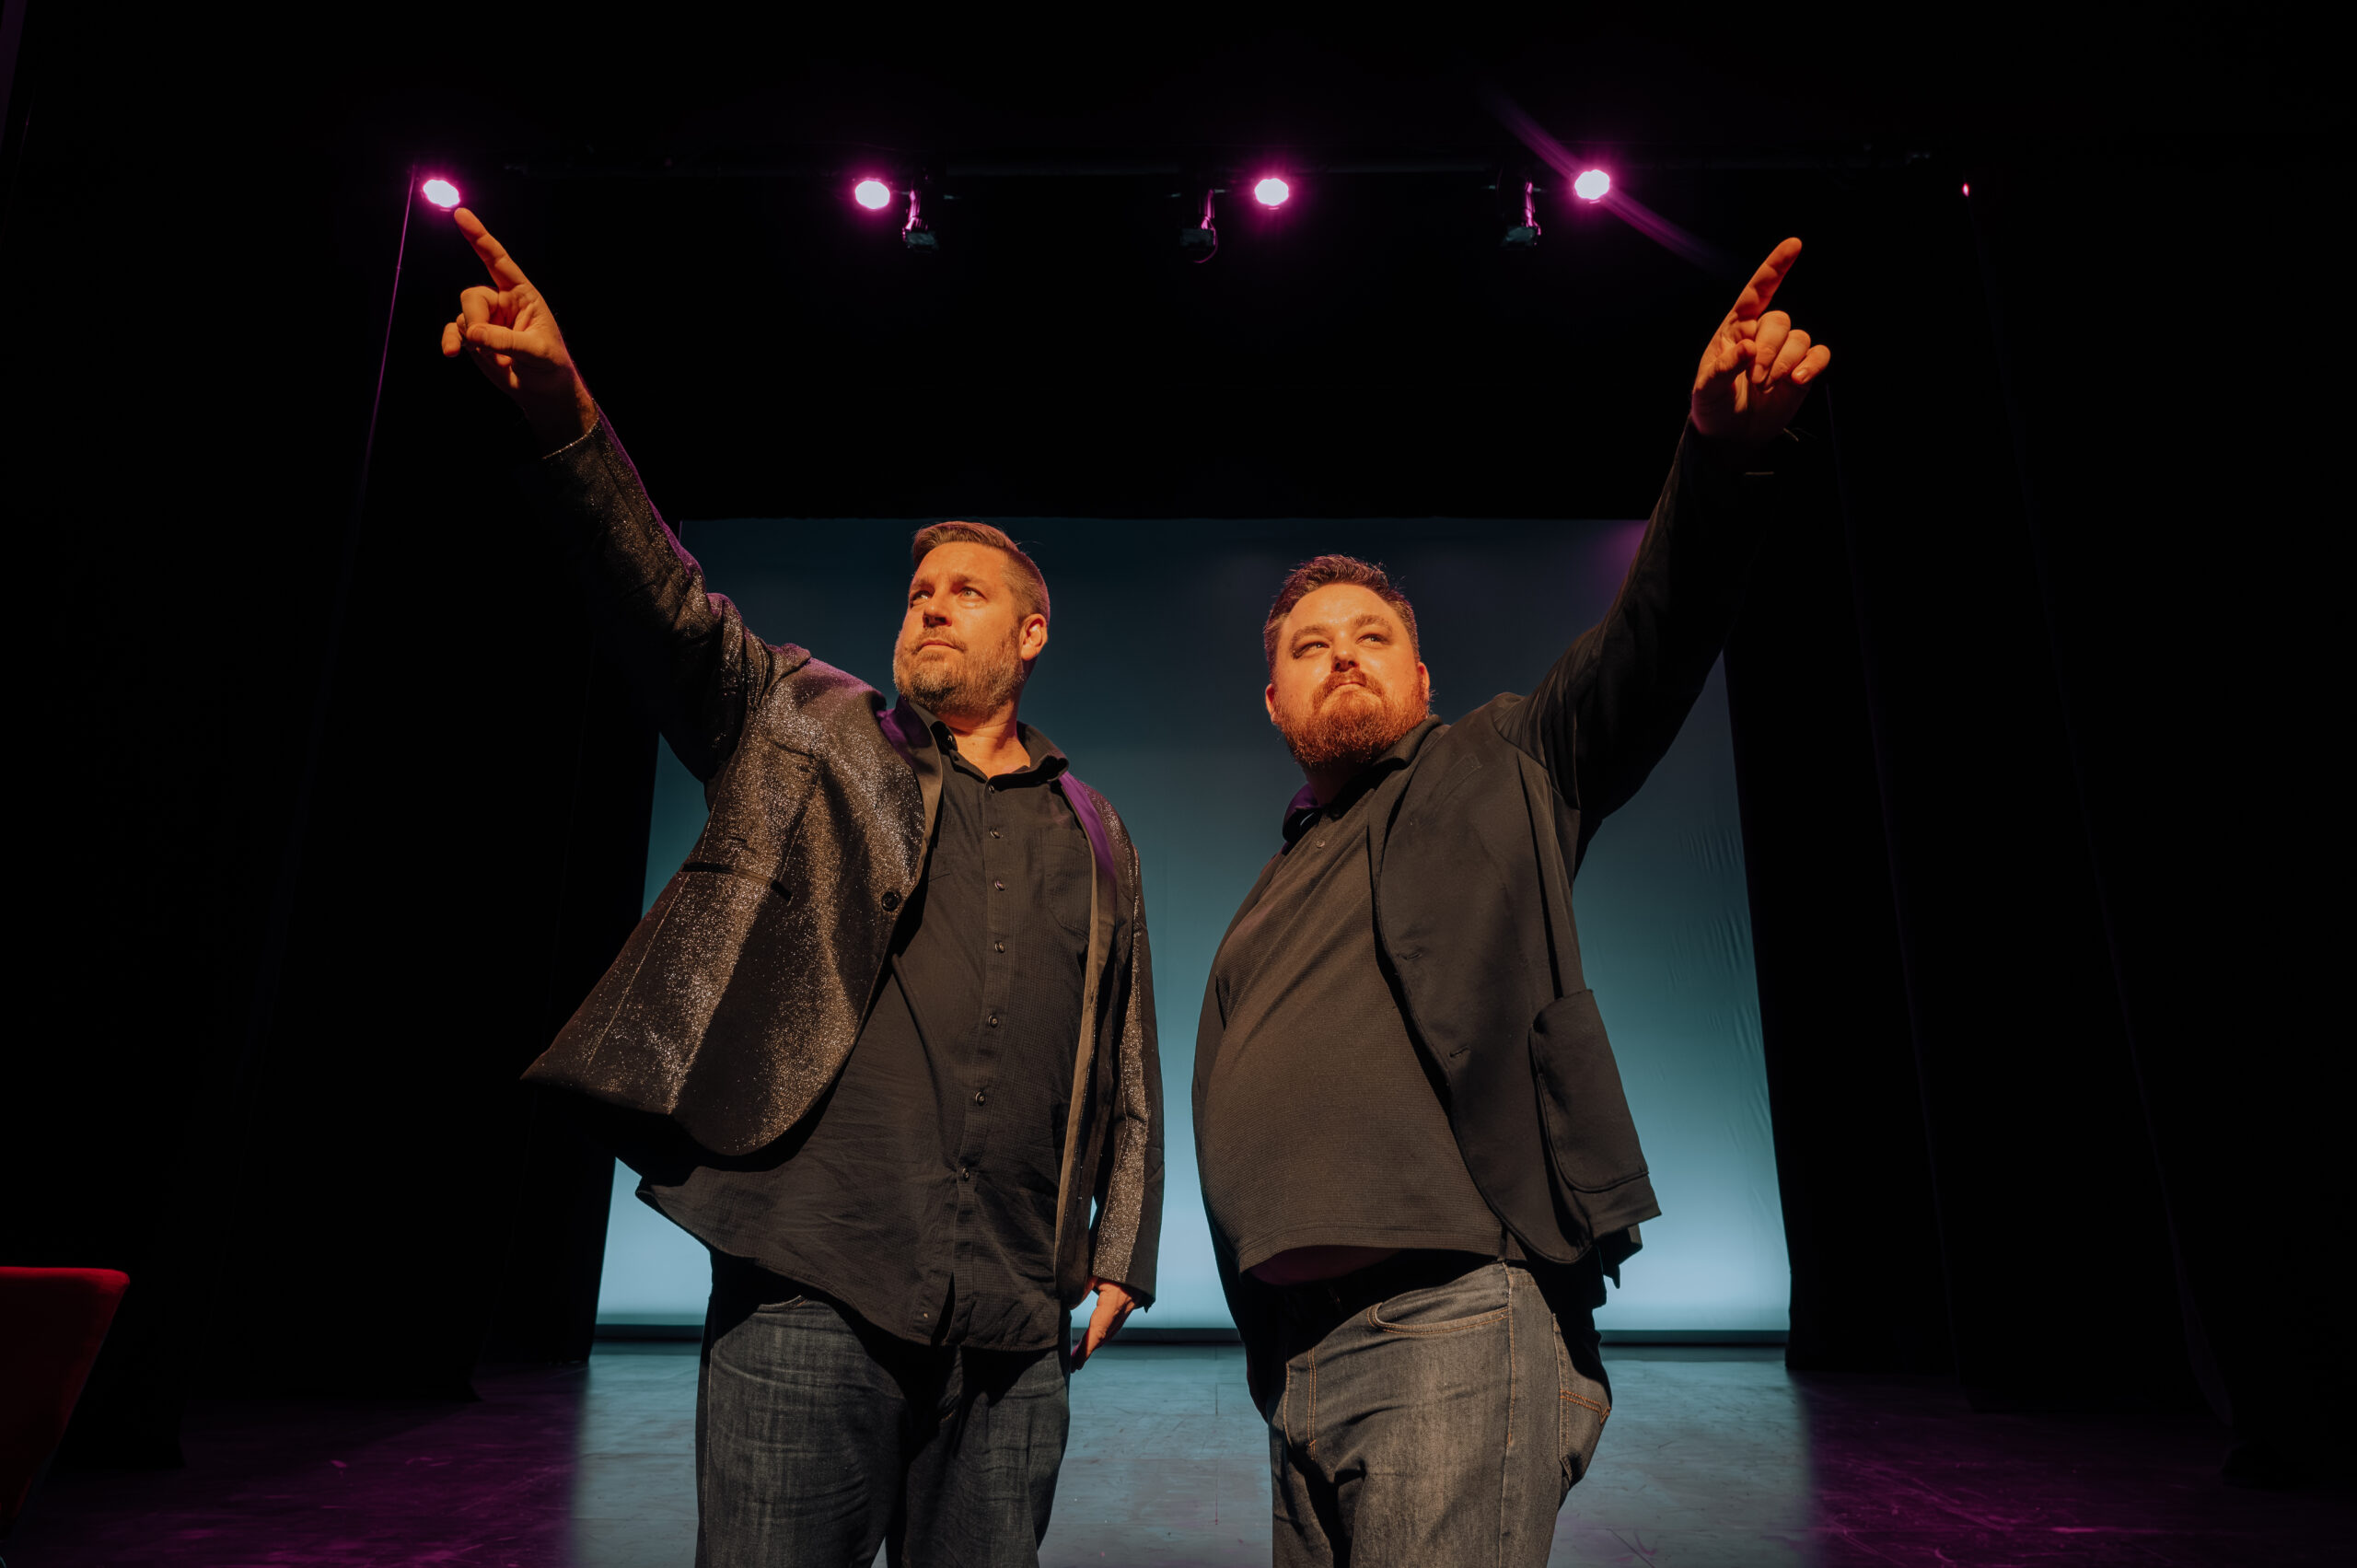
(1322, 571)
(1030, 584)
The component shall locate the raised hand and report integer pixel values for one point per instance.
(509, 332)
(1759, 365)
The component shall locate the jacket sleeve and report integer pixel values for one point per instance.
(1609, 708)
(1129, 1217)
(686, 652)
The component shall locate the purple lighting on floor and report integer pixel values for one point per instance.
(1271, 192)
(873, 194)
(440, 192)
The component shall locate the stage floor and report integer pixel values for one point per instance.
(1714, 1459)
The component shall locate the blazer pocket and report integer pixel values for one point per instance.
(1589, 1129)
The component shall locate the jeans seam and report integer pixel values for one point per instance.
(1309, 1424)
(1514, 1382)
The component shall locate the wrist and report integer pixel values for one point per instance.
(560, 422)
(1737, 453)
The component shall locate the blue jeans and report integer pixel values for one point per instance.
(820, 1436)
(1430, 1413)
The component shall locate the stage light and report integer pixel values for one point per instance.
(1271, 192)
(1522, 229)
(1591, 185)
(1200, 241)
(873, 194)
(915, 233)
(440, 192)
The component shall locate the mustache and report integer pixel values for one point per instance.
(1340, 678)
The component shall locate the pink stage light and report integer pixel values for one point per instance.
(440, 192)
(1591, 185)
(1271, 192)
(873, 194)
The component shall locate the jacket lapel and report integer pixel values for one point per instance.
(1104, 912)
(914, 742)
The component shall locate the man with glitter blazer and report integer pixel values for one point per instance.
(883, 1043)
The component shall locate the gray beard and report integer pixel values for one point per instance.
(1351, 740)
(972, 685)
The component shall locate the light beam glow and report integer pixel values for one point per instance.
(873, 194)
(1591, 185)
(1271, 192)
(440, 192)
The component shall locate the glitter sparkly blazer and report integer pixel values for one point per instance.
(736, 1001)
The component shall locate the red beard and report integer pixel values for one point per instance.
(1349, 734)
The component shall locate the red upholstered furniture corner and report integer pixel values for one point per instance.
(51, 1323)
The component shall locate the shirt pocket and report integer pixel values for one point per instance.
(1070, 871)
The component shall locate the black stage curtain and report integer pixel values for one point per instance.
(2035, 923)
(288, 972)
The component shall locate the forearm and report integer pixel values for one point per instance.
(685, 650)
(1609, 708)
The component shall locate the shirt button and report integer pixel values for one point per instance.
(891, 901)
(1000, 886)
(981, 1096)
(965, 1175)
(991, 1020)
(1000, 945)
(994, 833)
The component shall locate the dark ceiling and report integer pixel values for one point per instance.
(674, 182)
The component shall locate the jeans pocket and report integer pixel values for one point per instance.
(1581, 1404)
(1471, 1301)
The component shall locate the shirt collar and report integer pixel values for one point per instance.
(1048, 759)
(1304, 809)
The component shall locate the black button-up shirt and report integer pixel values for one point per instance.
(1322, 1122)
(922, 1190)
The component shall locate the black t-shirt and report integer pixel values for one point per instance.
(1322, 1123)
(922, 1190)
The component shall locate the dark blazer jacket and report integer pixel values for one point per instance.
(737, 999)
(1473, 848)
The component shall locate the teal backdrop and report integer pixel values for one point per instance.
(1151, 684)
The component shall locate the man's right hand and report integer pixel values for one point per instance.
(510, 333)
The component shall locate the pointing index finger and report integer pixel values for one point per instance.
(1763, 284)
(496, 259)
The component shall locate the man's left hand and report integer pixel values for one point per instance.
(1114, 1306)
(1758, 367)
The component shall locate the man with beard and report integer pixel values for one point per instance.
(1416, 1157)
(884, 1040)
